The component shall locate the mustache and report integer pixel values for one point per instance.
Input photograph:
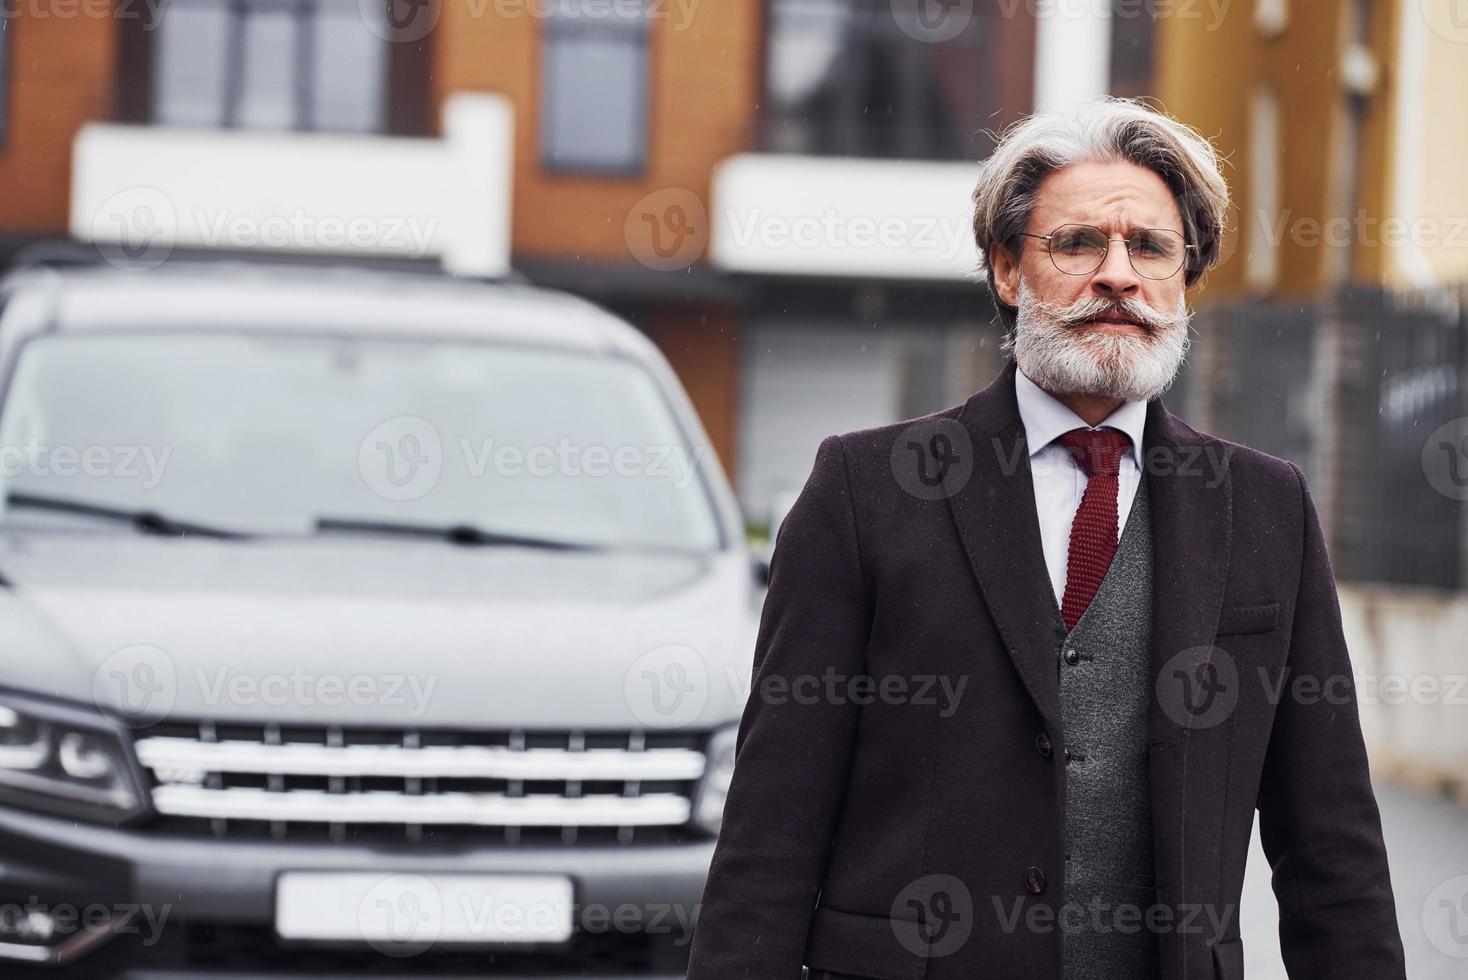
(1089, 308)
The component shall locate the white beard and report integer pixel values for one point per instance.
(1063, 359)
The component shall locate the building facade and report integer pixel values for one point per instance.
(774, 190)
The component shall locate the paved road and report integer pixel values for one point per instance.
(1427, 841)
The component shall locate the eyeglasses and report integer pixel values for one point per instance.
(1079, 250)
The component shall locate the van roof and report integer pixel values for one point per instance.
(236, 295)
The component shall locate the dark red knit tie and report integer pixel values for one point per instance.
(1093, 532)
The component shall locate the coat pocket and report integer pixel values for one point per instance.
(1259, 618)
(865, 947)
(1228, 959)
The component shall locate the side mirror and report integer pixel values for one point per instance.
(759, 564)
(780, 505)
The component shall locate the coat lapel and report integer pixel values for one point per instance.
(995, 514)
(1192, 530)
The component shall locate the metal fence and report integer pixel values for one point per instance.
(1366, 391)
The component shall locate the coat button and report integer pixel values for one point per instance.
(1034, 879)
(1042, 744)
(1071, 657)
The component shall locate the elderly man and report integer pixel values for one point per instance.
(1055, 645)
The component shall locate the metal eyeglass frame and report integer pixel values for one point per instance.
(1077, 224)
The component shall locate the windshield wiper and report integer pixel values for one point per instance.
(465, 534)
(147, 521)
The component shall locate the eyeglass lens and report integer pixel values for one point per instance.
(1079, 250)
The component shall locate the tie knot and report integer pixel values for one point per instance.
(1098, 451)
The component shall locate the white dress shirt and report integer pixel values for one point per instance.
(1059, 479)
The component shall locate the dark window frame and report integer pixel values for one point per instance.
(640, 34)
(1005, 46)
(406, 104)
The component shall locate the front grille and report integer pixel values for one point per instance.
(573, 786)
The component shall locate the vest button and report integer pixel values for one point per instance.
(1034, 879)
(1071, 657)
(1042, 744)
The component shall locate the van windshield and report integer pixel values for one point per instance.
(290, 434)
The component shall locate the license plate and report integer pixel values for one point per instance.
(406, 914)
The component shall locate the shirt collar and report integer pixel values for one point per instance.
(1046, 417)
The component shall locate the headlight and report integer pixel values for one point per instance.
(66, 761)
(713, 789)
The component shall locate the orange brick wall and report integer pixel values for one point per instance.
(61, 76)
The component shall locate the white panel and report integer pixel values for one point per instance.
(791, 214)
(306, 191)
(1072, 54)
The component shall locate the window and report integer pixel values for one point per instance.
(270, 64)
(866, 78)
(594, 90)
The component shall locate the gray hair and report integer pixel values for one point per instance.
(1104, 130)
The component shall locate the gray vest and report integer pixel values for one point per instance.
(1104, 694)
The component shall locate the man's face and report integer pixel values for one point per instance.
(1109, 332)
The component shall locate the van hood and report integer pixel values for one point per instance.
(372, 631)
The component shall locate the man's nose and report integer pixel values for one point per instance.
(1116, 277)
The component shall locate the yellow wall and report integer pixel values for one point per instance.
(1427, 175)
(1207, 75)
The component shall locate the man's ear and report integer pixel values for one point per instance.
(1006, 273)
